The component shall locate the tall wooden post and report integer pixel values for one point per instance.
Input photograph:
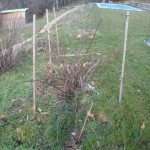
(56, 4)
(56, 30)
(34, 85)
(49, 42)
(124, 57)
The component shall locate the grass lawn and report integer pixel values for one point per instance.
(115, 126)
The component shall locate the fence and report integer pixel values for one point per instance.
(76, 85)
(141, 5)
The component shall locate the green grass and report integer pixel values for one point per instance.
(123, 130)
(40, 23)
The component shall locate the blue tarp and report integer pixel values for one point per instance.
(115, 6)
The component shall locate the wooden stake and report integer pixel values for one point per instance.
(56, 30)
(85, 121)
(49, 42)
(34, 86)
(56, 4)
(124, 57)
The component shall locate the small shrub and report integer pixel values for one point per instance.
(67, 77)
(8, 50)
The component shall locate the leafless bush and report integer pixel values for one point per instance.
(71, 74)
(7, 58)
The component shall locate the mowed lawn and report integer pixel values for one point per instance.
(115, 126)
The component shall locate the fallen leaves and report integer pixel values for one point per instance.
(18, 130)
(79, 36)
(13, 100)
(31, 109)
(91, 115)
(20, 134)
(75, 135)
(3, 119)
(39, 109)
(98, 144)
(103, 118)
(143, 126)
(91, 36)
(36, 119)
(45, 113)
(2, 116)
